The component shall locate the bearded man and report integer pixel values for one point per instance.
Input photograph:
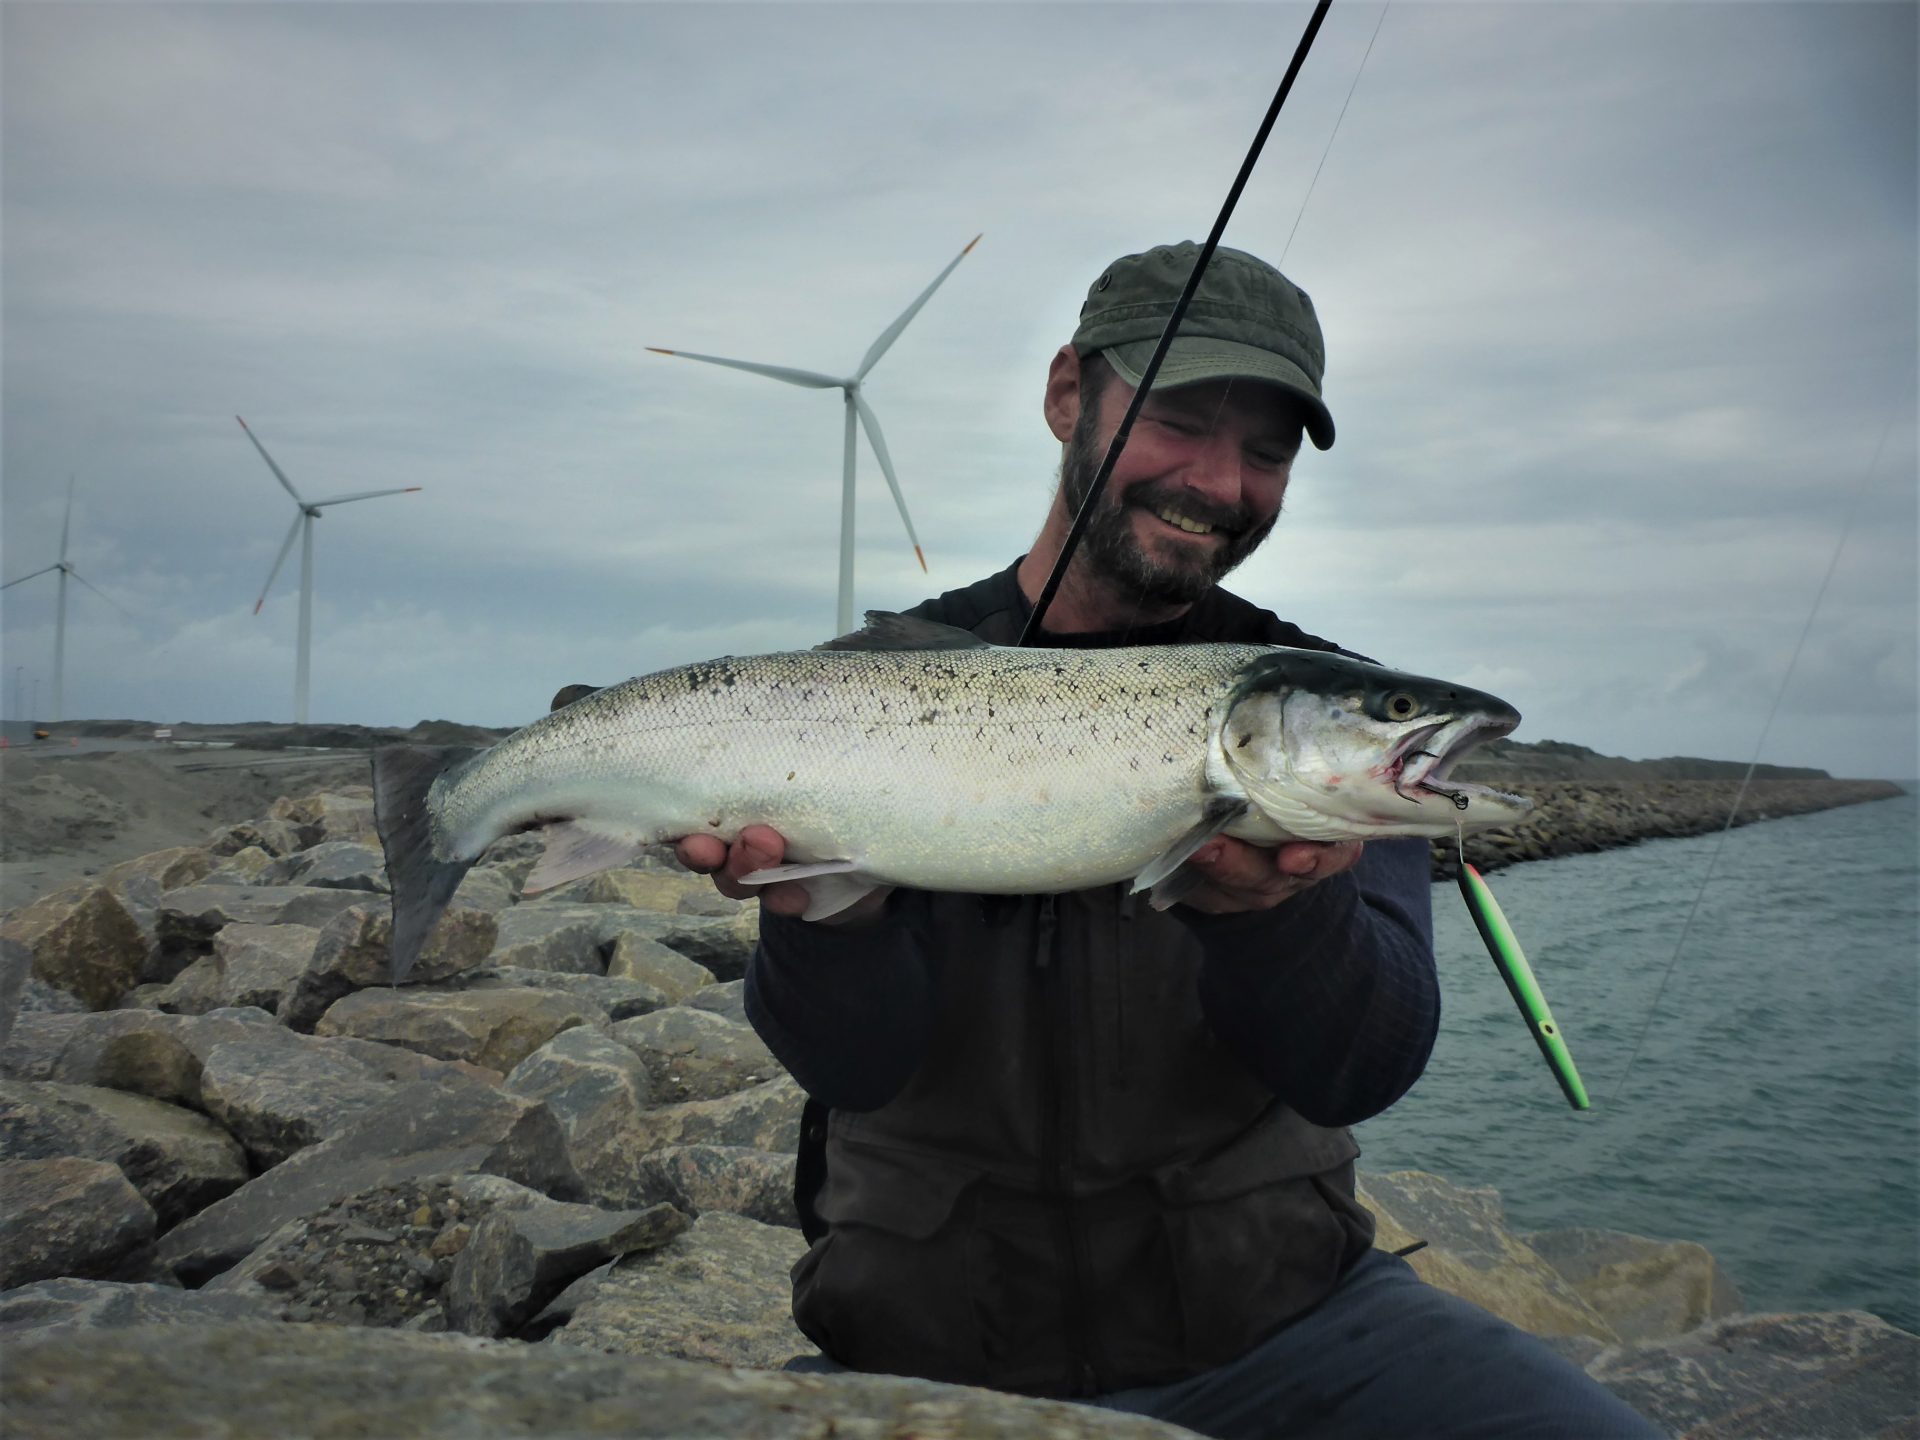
(1068, 1145)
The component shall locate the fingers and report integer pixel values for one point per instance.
(758, 848)
(1245, 877)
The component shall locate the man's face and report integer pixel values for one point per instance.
(1196, 490)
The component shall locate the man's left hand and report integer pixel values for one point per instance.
(1237, 876)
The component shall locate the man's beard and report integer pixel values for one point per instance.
(1109, 544)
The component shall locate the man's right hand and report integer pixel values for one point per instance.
(758, 848)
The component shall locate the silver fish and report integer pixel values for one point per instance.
(914, 754)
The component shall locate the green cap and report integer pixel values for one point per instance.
(1247, 322)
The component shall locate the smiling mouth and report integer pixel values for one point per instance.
(1168, 515)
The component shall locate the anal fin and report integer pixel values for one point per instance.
(575, 848)
(832, 885)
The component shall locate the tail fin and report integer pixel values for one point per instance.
(422, 885)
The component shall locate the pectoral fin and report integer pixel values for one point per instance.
(575, 848)
(1221, 812)
(832, 885)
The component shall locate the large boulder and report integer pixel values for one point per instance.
(733, 1178)
(1645, 1289)
(71, 1304)
(494, 1028)
(299, 1381)
(718, 1293)
(695, 1054)
(1841, 1376)
(1471, 1253)
(761, 1117)
(149, 1053)
(67, 1216)
(331, 865)
(427, 1128)
(178, 1160)
(251, 965)
(84, 940)
(355, 952)
(598, 1090)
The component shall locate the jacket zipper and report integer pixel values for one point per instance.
(1057, 1140)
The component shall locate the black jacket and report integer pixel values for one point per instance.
(1075, 1144)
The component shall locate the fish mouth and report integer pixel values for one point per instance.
(1422, 760)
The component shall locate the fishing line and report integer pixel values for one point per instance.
(1713, 860)
(1119, 441)
(1282, 262)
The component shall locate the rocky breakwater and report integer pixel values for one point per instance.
(248, 1187)
(1585, 801)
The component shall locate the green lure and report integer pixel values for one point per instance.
(1512, 963)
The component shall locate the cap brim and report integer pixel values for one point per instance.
(1193, 358)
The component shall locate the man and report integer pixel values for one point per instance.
(1071, 1146)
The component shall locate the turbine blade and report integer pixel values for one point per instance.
(278, 473)
(872, 424)
(293, 532)
(812, 379)
(892, 332)
(101, 593)
(67, 523)
(45, 569)
(363, 495)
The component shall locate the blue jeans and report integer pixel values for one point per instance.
(1386, 1357)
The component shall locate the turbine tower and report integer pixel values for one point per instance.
(309, 511)
(60, 613)
(858, 411)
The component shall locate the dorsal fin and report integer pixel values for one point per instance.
(887, 630)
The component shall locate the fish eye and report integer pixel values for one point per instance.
(1401, 706)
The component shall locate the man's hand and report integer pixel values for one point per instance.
(1238, 876)
(758, 848)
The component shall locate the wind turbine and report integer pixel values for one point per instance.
(60, 613)
(857, 406)
(309, 512)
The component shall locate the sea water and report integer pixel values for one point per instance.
(1773, 1113)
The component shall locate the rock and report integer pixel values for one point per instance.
(634, 957)
(38, 1038)
(381, 1256)
(316, 1380)
(238, 868)
(189, 918)
(148, 1053)
(67, 1217)
(16, 968)
(1846, 1375)
(718, 1293)
(615, 998)
(426, 1128)
(251, 966)
(728, 998)
(70, 1304)
(722, 944)
(486, 887)
(1645, 1289)
(552, 937)
(733, 1178)
(278, 1092)
(1472, 1254)
(331, 865)
(494, 1028)
(355, 951)
(332, 816)
(268, 833)
(518, 1260)
(598, 1090)
(170, 869)
(179, 1161)
(83, 940)
(667, 893)
(763, 1117)
(696, 1055)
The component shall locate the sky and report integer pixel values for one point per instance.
(1620, 305)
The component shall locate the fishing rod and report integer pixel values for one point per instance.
(1492, 924)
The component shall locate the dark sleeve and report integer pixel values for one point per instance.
(1332, 997)
(848, 1011)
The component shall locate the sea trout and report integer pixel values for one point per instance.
(919, 755)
